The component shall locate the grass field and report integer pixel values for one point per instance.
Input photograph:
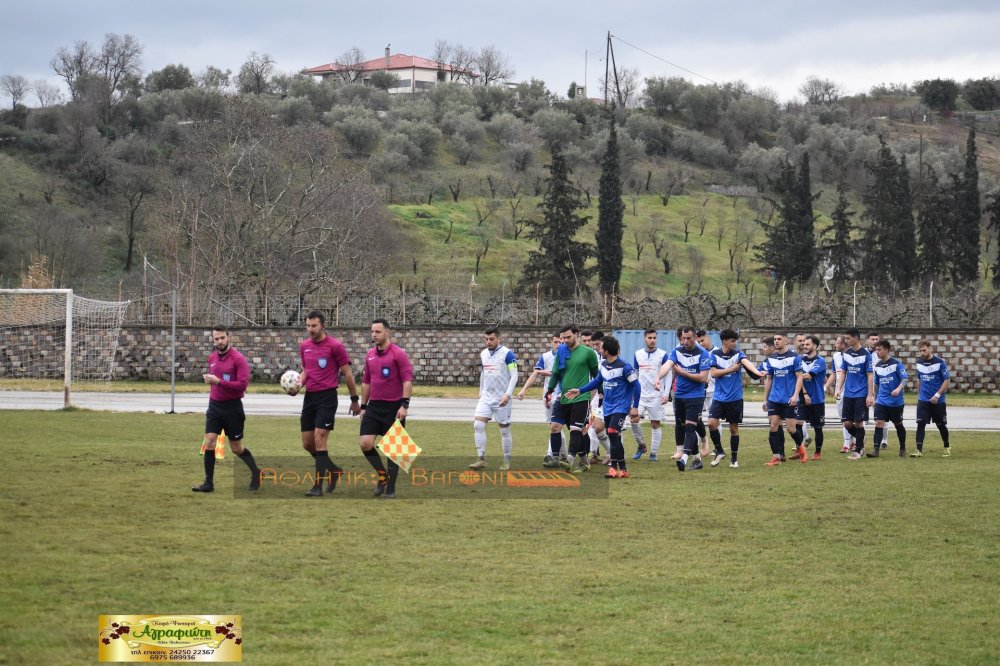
(888, 561)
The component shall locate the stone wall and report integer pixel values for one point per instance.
(440, 355)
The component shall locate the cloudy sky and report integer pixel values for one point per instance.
(765, 43)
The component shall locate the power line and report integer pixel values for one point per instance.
(672, 64)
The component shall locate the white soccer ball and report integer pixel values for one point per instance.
(289, 380)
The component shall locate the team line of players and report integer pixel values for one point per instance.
(596, 399)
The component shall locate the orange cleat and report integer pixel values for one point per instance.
(773, 462)
(816, 456)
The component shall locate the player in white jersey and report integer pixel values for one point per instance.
(596, 431)
(496, 388)
(831, 382)
(647, 362)
(543, 369)
(705, 342)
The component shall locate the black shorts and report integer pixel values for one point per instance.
(782, 409)
(928, 411)
(225, 415)
(688, 409)
(854, 410)
(572, 414)
(888, 413)
(814, 414)
(730, 411)
(615, 423)
(319, 410)
(379, 416)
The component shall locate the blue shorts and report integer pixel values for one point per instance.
(615, 423)
(888, 413)
(688, 409)
(854, 410)
(814, 414)
(928, 411)
(782, 409)
(730, 412)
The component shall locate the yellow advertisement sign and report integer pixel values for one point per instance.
(166, 638)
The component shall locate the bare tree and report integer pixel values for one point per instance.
(687, 226)
(75, 66)
(485, 211)
(16, 86)
(721, 224)
(702, 219)
(455, 190)
(484, 247)
(351, 65)
(493, 64)
(46, 93)
(640, 243)
(696, 259)
(255, 73)
(820, 91)
(118, 64)
(625, 91)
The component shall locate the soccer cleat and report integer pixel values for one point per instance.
(873, 454)
(801, 454)
(680, 464)
(623, 474)
(546, 459)
(697, 464)
(846, 449)
(652, 457)
(817, 456)
(550, 463)
(735, 464)
(947, 452)
(479, 464)
(638, 453)
(594, 459)
(902, 452)
(773, 462)
(380, 489)
(566, 464)
(505, 465)
(204, 488)
(856, 455)
(808, 440)
(255, 481)
(607, 460)
(719, 457)
(583, 464)
(315, 491)
(612, 473)
(885, 444)
(389, 494)
(917, 454)
(331, 485)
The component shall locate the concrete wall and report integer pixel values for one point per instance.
(439, 355)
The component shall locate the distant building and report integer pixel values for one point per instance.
(415, 73)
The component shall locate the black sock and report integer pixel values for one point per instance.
(247, 457)
(798, 437)
(327, 469)
(943, 429)
(818, 438)
(716, 440)
(555, 443)
(799, 431)
(781, 442)
(901, 434)
(700, 429)
(690, 439)
(734, 446)
(878, 438)
(921, 428)
(577, 446)
(679, 433)
(210, 465)
(375, 460)
(617, 450)
(393, 470)
(859, 435)
(774, 439)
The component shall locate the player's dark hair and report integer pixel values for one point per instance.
(611, 345)
(316, 314)
(596, 335)
(729, 334)
(588, 333)
(220, 327)
(853, 332)
(685, 329)
(569, 327)
(648, 331)
(875, 333)
(679, 330)
(492, 330)
(769, 341)
(700, 333)
(814, 339)
(384, 322)
(884, 344)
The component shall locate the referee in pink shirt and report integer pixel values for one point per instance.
(229, 375)
(324, 362)
(386, 387)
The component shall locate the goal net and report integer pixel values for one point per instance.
(52, 334)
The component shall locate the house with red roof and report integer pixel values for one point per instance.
(415, 73)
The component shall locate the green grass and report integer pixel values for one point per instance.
(889, 561)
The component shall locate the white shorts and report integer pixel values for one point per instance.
(708, 403)
(494, 411)
(651, 409)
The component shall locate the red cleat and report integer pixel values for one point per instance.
(773, 462)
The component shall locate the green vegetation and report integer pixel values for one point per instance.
(889, 561)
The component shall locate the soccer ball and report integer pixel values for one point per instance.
(289, 380)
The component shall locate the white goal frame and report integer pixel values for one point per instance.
(68, 349)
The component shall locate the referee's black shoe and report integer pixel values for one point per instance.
(315, 491)
(380, 489)
(204, 488)
(255, 481)
(331, 485)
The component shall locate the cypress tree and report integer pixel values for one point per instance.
(964, 245)
(934, 223)
(840, 249)
(993, 208)
(610, 216)
(777, 251)
(889, 245)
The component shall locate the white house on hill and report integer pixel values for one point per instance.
(415, 73)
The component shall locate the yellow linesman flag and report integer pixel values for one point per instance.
(399, 447)
(220, 446)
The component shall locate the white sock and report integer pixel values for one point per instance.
(602, 440)
(684, 459)
(847, 436)
(593, 439)
(506, 439)
(885, 435)
(637, 433)
(563, 450)
(657, 435)
(480, 433)
(805, 430)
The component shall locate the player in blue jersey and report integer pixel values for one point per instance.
(727, 402)
(872, 339)
(857, 386)
(812, 408)
(690, 364)
(890, 375)
(619, 382)
(934, 378)
(782, 387)
(705, 342)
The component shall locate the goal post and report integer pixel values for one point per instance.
(33, 323)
